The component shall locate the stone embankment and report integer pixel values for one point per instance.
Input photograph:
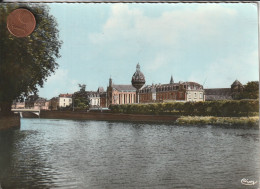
(176, 120)
(106, 116)
(9, 122)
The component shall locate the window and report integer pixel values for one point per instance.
(200, 95)
(195, 95)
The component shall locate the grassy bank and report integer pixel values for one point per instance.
(225, 121)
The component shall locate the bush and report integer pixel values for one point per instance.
(225, 108)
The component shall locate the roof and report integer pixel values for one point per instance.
(236, 82)
(66, 95)
(100, 90)
(124, 87)
(218, 91)
(218, 94)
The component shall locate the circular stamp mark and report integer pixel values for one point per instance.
(21, 22)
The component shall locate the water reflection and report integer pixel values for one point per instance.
(98, 154)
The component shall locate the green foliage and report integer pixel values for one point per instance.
(81, 100)
(27, 62)
(226, 108)
(251, 91)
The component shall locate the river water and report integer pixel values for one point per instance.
(98, 154)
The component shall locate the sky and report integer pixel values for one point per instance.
(212, 44)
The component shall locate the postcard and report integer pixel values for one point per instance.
(129, 95)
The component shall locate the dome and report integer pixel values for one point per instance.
(138, 79)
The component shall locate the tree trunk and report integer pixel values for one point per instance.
(5, 108)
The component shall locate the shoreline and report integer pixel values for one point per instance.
(175, 120)
(107, 116)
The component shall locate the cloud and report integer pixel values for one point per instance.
(174, 36)
(169, 28)
(59, 83)
(224, 71)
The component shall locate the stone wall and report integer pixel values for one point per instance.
(9, 122)
(106, 116)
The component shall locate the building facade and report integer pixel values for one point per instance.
(224, 93)
(94, 99)
(120, 94)
(181, 91)
(41, 104)
(65, 100)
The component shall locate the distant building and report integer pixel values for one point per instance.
(120, 94)
(103, 97)
(94, 99)
(181, 91)
(65, 100)
(18, 105)
(224, 93)
(41, 104)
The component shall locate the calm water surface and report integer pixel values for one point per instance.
(98, 154)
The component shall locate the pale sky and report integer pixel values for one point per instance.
(212, 44)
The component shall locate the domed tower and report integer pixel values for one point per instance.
(236, 86)
(236, 89)
(138, 80)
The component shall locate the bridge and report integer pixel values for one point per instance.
(20, 111)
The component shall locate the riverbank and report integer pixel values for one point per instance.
(224, 121)
(9, 122)
(106, 116)
(180, 120)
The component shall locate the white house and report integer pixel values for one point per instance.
(65, 100)
(94, 99)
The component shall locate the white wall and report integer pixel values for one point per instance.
(65, 101)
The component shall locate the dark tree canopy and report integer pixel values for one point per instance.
(25, 63)
(81, 98)
(251, 90)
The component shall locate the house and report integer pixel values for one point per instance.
(65, 100)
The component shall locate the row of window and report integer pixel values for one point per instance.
(170, 88)
(161, 96)
(195, 95)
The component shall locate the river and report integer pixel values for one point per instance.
(47, 153)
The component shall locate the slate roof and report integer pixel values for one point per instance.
(124, 88)
(218, 94)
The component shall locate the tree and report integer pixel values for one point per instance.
(82, 87)
(251, 90)
(81, 98)
(26, 62)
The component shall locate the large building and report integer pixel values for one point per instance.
(224, 93)
(120, 94)
(181, 91)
